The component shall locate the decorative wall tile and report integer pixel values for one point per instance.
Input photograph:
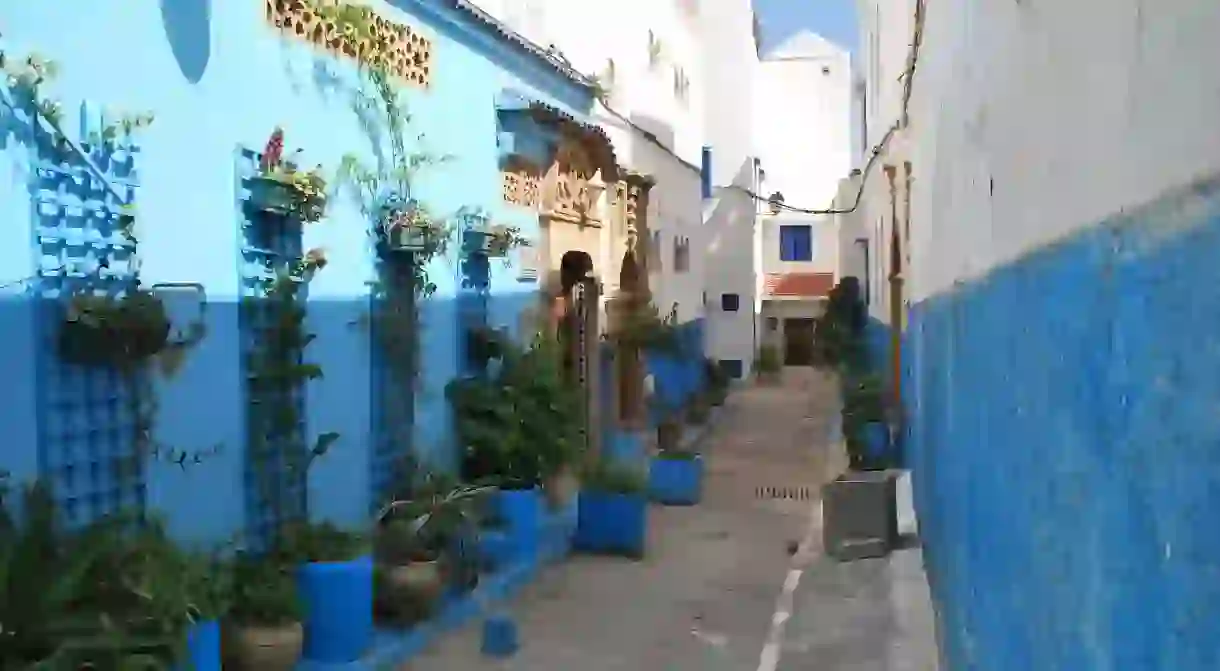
(400, 50)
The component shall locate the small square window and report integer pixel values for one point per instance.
(732, 367)
(730, 302)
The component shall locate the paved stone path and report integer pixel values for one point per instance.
(703, 599)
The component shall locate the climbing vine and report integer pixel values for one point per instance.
(278, 449)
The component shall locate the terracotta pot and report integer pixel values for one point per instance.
(266, 647)
(421, 579)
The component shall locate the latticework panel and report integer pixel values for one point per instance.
(357, 32)
(89, 418)
(395, 364)
(275, 488)
(521, 183)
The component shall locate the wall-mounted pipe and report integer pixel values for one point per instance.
(705, 173)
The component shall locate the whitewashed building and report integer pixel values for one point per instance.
(1057, 267)
(802, 108)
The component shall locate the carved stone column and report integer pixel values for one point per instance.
(633, 295)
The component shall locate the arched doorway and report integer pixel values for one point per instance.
(577, 331)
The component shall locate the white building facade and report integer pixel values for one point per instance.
(1058, 353)
(802, 108)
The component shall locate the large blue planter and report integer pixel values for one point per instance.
(495, 547)
(611, 523)
(203, 647)
(676, 482)
(338, 600)
(522, 512)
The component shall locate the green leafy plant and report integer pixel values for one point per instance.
(639, 325)
(863, 404)
(301, 193)
(503, 239)
(718, 381)
(105, 330)
(603, 475)
(264, 592)
(438, 521)
(522, 423)
(278, 449)
(839, 332)
(300, 542)
(768, 361)
(114, 594)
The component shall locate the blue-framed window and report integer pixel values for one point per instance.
(795, 243)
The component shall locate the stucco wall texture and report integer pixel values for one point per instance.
(1063, 342)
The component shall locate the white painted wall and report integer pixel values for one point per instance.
(886, 28)
(825, 243)
(730, 61)
(802, 109)
(1022, 134)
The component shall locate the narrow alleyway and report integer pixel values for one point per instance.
(706, 595)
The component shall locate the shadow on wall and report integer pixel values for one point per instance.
(663, 132)
(202, 400)
(188, 27)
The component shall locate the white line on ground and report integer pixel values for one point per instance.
(772, 649)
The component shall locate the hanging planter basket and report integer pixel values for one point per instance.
(107, 331)
(407, 229)
(288, 192)
(477, 237)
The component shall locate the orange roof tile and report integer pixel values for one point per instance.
(806, 285)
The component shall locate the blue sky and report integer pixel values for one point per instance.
(833, 19)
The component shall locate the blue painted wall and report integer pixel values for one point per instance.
(1065, 443)
(677, 378)
(217, 78)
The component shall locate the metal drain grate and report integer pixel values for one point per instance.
(785, 493)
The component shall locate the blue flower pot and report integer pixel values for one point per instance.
(612, 523)
(495, 547)
(676, 482)
(203, 646)
(626, 448)
(522, 511)
(338, 600)
(877, 441)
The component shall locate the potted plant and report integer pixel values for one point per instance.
(263, 630)
(860, 506)
(717, 382)
(612, 512)
(104, 330)
(503, 239)
(281, 188)
(424, 543)
(405, 226)
(697, 409)
(675, 477)
(768, 366)
(334, 574)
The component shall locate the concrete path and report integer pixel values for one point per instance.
(705, 598)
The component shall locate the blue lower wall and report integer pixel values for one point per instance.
(1065, 444)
